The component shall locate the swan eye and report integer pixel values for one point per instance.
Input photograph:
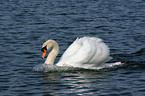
(44, 48)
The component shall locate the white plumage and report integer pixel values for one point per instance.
(85, 52)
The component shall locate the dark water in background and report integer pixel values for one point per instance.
(26, 24)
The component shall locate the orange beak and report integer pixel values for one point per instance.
(44, 53)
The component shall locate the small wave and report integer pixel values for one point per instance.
(53, 68)
(135, 64)
(140, 52)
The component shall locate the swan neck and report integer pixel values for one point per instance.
(54, 52)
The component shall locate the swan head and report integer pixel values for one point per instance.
(47, 46)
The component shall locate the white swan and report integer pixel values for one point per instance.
(85, 52)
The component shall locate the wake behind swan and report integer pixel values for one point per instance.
(85, 52)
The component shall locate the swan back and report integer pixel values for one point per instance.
(85, 52)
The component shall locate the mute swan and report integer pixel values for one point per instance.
(85, 52)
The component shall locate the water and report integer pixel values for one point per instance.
(26, 24)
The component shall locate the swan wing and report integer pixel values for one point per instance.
(71, 50)
(85, 52)
(75, 53)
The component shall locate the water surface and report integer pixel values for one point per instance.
(25, 25)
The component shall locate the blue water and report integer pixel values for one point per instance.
(26, 24)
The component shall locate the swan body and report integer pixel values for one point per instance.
(85, 52)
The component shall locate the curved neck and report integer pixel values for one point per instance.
(54, 52)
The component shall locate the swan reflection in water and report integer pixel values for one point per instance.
(79, 83)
